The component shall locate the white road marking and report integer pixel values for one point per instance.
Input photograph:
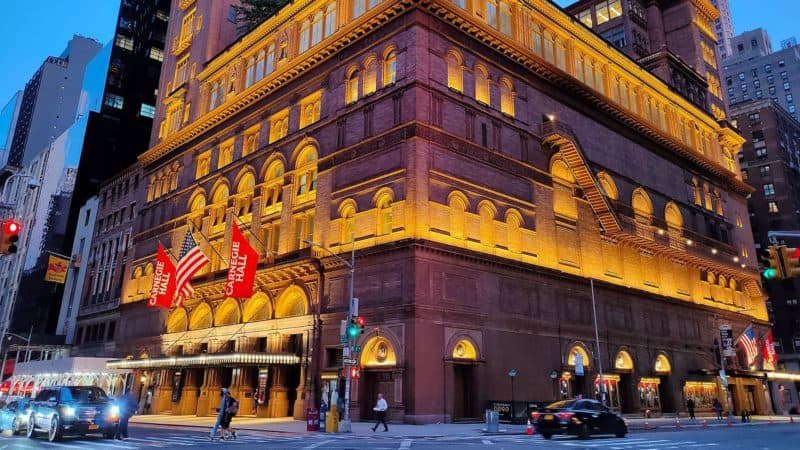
(486, 442)
(405, 443)
(319, 444)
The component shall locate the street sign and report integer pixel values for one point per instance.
(726, 340)
(346, 352)
(723, 378)
(349, 361)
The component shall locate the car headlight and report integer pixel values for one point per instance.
(114, 411)
(68, 411)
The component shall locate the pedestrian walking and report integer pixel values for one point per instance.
(127, 408)
(148, 400)
(718, 408)
(690, 407)
(223, 405)
(230, 412)
(380, 408)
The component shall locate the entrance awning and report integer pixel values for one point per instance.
(206, 360)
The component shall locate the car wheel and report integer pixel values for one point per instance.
(584, 432)
(547, 435)
(54, 433)
(31, 427)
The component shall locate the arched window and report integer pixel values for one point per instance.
(390, 68)
(250, 72)
(608, 186)
(482, 85)
(506, 97)
(384, 205)
(197, 207)
(698, 195)
(351, 87)
(455, 77)
(641, 203)
(260, 58)
(306, 173)
(273, 187)
(513, 225)
(458, 216)
(305, 38)
(219, 202)
(486, 212)
(316, 29)
(370, 75)
(244, 194)
(673, 216)
(330, 19)
(348, 214)
(270, 64)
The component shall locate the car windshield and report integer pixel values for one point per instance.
(563, 404)
(84, 395)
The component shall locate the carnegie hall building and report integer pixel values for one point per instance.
(484, 160)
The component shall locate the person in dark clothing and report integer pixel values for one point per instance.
(718, 408)
(690, 408)
(127, 408)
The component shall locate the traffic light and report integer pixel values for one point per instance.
(355, 372)
(361, 323)
(775, 269)
(791, 261)
(9, 235)
(356, 327)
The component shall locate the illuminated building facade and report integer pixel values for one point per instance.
(484, 160)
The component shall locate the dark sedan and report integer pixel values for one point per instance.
(72, 410)
(578, 417)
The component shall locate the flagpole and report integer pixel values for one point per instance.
(250, 228)
(210, 245)
(166, 249)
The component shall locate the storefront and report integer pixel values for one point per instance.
(30, 377)
(784, 389)
(702, 393)
(610, 385)
(649, 395)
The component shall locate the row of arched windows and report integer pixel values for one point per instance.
(459, 206)
(364, 81)
(384, 218)
(163, 182)
(482, 82)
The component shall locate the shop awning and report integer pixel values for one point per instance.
(206, 360)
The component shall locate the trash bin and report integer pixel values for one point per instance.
(492, 421)
(312, 419)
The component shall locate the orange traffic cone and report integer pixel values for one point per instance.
(647, 425)
(677, 422)
(529, 430)
(705, 423)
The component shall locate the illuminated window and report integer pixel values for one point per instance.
(351, 87)
(316, 29)
(187, 26)
(216, 93)
(330, 19)
(113, 100)
(181, 72)
(458, 206)
(585, 16)
(278, 125)
(506, 97)
(370, 75)
(244, 194)
(486, 213)
(156, 54)
(273, 188)
(482, 85)
(219, 203)
(203, 165)
(304, 229)
(348, 215)
(225, 156)
(147, 110)
(305, 38)
(772, 207)
(306, 175)
(384, 205)
(455, 78)
(270, 63)
(607, 10)
(536, 39)
(310, 109)
(124, 42)
(390, 68)
(250, 72)
(250, 140)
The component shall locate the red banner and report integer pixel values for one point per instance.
(163, 289)
(242, 268)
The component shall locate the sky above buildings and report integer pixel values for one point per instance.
(31, 30)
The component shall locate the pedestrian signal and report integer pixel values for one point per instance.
(355, 372)
(791, 261)
(9, 236)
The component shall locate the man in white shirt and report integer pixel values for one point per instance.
(380, 408)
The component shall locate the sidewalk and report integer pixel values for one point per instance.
(288, 425)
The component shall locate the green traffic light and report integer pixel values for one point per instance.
(352, 331)
(770, 273)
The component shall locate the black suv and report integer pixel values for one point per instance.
(72, 410)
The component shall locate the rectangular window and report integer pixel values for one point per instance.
(768, 68)
(225, 156)
(744, 87)
(250, 140)
(761, 152)
(792, 109)
(181, 72)
(114, 101)
(769, 190)
(756, 84)
(147, 110)
(278, 125)
(784, 75)
(772, 90)
(585, 17)
(156, 54)
(789, 98)
(764, 171)
(787, 86)
(203, 163)
(310, 109)
(124, 42)
(773, 207)
(741, 76)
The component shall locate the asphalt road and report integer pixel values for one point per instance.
(763, 437)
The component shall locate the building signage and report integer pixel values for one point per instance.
(349, 361)
(726, 340)
(579, 364)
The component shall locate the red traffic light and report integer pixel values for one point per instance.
(355, 372)
(11, 227)
(360, 321)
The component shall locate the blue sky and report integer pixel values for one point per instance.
(31, 30)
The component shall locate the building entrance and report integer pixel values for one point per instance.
(464, 392)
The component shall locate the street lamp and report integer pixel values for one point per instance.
(344, 424)
(512, 373)
(33, 183)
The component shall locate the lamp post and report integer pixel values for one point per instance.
(597, 345)
(511, 374)
(344, 424)
(6, 337)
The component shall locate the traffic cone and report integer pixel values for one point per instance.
(705, 423)
(771, 421)
(647, 425)
(677, 422)
(529, 430)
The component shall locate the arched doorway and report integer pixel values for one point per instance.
(663, 369)
(464, 356)
(378, 363)
(623, 396)
(573, 384)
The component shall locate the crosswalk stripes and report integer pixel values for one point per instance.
(608, 444)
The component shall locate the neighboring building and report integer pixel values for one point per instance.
(51, 100)
(73, 289)
(673, 39)
(106, 262)
(482, 172)
(770, 162)
(723, 26)
(754, 72)
(8, 123)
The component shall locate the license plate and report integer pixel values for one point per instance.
(94, 427)
(548, 417)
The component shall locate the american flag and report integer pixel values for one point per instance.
(192, 259)
(748, 341)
